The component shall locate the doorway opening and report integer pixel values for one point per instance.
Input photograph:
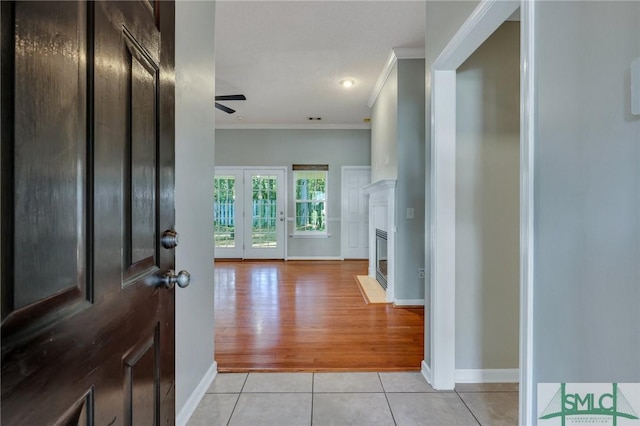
(487, 210)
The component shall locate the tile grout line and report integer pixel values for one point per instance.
(381, 383)
(244, 383)
(238, 399)
(384, 391)
(465, 404)
(313, 385)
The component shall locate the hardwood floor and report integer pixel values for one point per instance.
(309, 316)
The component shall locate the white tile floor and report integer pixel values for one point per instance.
(368, 399)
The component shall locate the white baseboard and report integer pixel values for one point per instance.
(426, 371)
(506, 375)
(314, 258)
(409, 302)
(196, 396)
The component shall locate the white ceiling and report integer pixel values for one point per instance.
(288, 58)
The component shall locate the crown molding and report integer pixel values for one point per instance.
(395, 54)
(295, 126)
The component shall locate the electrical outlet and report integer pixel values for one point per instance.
(421, 273)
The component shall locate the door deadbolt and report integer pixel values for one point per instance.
(169, 239)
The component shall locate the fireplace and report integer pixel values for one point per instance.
(382, 219)
(381, 257)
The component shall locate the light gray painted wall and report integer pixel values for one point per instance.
(384, 131)
(194, 193)
(397, 152)
(410, 189)
(337, 148)
(587, 194)
(444, 18)
(487, 204)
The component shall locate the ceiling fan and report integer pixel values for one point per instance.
(228, 98)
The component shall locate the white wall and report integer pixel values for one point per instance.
(587, 194)
(487, 204)
(384, 131)
(195, 81)
(444, 18)
(269, 147)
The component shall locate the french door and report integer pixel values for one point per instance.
(249, 219)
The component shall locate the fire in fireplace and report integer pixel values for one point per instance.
(381, 257)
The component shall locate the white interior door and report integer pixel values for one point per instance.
(355, 212)
(264, 213)
(228, 208)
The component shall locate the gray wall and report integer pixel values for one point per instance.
(384, 131)
(397, 152)
(487, 204)
(444, 18)
(586, 186)
(337, 148)
(194, 193)
(587, 194)
(410, 189)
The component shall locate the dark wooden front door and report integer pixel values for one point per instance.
(87, 191)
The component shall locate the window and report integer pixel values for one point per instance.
(310, 194)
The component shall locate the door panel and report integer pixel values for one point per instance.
(140, 165)
(141, 383)
(87, 189)
(264, 218)
(47, 171)
(142, 146)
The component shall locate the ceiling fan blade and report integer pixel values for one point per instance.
(231, 98)
(225, 109)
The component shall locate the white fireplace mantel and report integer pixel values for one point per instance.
(380, 185)
(382, 198)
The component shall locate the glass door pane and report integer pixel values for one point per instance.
(227, 212)
(224, 222)
(264, 211)
(264, 214)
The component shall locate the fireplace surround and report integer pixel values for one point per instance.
(382, 196)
